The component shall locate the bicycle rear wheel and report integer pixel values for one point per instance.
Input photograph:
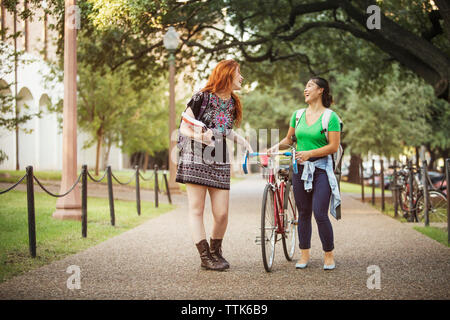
(268, 228)
(437, 207)
(290, 223)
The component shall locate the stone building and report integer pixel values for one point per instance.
(40, 139)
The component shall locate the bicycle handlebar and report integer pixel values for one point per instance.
(254, 154)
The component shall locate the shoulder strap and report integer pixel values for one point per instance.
(326, 120)
(298, 115)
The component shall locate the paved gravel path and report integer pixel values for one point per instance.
(157, 260)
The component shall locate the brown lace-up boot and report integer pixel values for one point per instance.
(216, 252)
(208, 262)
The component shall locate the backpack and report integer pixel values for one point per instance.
(182, 140)
(337, 156)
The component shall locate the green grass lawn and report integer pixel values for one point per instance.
(438, 234)
(348, 187)
(57, 239)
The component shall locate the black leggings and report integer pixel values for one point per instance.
(317, 200)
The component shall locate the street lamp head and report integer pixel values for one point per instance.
(171, 39)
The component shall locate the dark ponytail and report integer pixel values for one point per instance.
(327, 99)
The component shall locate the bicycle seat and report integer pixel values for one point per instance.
(283, 170)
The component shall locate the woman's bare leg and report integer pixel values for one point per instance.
(196, 203)
(219, 205)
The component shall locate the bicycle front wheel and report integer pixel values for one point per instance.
(290, 223)
(268, 228)
(437, 207)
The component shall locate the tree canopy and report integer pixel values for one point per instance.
(395, 73)
(316, 36)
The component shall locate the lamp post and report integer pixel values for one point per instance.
(69, 207)
(171, 41)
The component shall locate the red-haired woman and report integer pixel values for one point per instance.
(203, 163)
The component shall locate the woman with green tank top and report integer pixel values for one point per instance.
(314, 184)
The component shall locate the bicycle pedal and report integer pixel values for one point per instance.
(258, 240)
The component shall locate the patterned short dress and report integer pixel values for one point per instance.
(208, 165)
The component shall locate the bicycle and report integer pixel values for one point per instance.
(413, 208)
(278, 211)
(437, 202)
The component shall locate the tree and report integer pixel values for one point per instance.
(10, 117)
(438, 141)
(281, 30)
(275, 31)
(385, 121)
(275, 42)
(103, 105)
(384, 124)
(271, 108)
(146, 130)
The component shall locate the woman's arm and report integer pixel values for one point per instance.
(285, 143)
(334, 138)
(235, 137)
(188, 131)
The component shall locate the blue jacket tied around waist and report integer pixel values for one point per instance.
(325, 163)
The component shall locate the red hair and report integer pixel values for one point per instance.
(221, 79)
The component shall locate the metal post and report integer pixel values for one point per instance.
(373, 181)
(111, 196)
(84, 182)
(156, 186)
(382, 185)
(172, 125)
(167, 187)
(31, 212)
(425, 193)
(411, 194)
(395, 190)
(138, 192)
(361, 178)
(447, 173)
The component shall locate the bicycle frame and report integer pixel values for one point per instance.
(277, 188)
(278, 205)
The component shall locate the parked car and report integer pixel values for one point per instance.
(438, 181)
(387, 181)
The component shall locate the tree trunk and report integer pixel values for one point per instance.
(353, 170)
(444, 10)
(414, 52)
(140, 159)
(145, 162)
(433, 157)
(417, 157)
(106, 154)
